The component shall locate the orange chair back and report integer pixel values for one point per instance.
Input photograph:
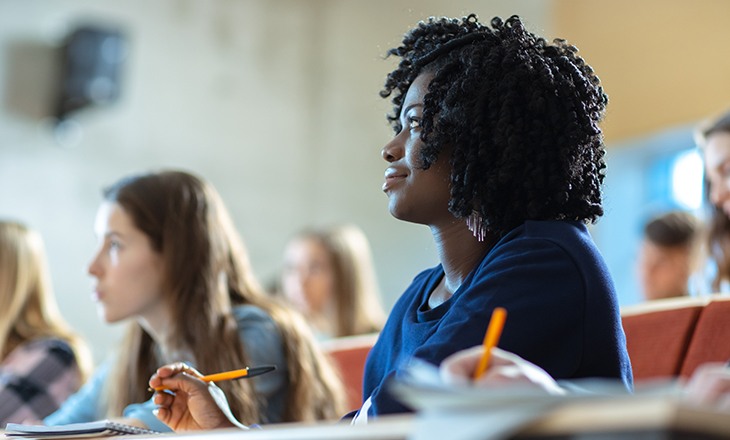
(349, 355)
(711, 339)
(658, 334)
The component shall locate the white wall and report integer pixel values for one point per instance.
(275, 102)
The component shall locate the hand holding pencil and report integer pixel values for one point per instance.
(491, 339)
(488, 366)
(196, 404)
(229, 375)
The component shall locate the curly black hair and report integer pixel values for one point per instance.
(518, 116)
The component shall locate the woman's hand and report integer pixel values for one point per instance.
(191, 404)
(505, 368)
(710, 386)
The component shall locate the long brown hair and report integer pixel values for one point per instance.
(206, 273)
(357, 297)
(717, 234)
(28, 309)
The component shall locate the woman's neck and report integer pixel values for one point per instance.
(324, 320)
(459, 252)
(159, 327)
(157, 322)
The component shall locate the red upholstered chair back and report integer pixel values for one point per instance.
(658, 335)
(711, 339)
(349, 355)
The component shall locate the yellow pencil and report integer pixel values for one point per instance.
(491, 338)
(228, 375)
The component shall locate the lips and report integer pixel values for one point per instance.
(96, 295)
(393, 176)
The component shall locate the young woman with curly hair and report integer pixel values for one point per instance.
(497, 149)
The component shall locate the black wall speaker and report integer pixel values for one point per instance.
(91, 62)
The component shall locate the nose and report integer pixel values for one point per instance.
(94, 267)
(718, 193)
(394, 150)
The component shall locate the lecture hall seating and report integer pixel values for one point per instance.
(349, 355)
(672, 337)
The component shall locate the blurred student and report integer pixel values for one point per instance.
(170, 261)
(329, 276)
(41, 361)
(667, 255)
(714, 143)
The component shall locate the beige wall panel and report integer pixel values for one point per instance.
(662, 62)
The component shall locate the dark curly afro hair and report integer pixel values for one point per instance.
(518, 116)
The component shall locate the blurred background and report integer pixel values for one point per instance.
(276, 103)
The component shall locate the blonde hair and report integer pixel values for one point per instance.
(28, 309)
(357, 297)
(208, 272)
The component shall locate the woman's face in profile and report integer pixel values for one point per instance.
(416, 195)
(717, 169)
(129, 273)
(308, 278)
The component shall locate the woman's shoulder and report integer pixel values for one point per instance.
(38, 348)
(554, 249)
(262, 340)
(252, 319)
(250, 313)
(565, 236)
(48, 343)
(551, 230)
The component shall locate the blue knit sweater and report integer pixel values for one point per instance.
(562, 312)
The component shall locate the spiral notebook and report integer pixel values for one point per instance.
(92, 429)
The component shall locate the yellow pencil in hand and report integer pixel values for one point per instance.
(491, 338)
(228, 375)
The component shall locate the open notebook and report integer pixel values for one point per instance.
(91, 429)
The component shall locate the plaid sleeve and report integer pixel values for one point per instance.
(35, 379)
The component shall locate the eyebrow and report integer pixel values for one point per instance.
(113, 233)
(405, 110)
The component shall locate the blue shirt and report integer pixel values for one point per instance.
(562, 312)
(262, 341)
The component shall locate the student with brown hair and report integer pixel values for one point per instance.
(329, 276)
(170, 261)
(41, 361)
(714, 142)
